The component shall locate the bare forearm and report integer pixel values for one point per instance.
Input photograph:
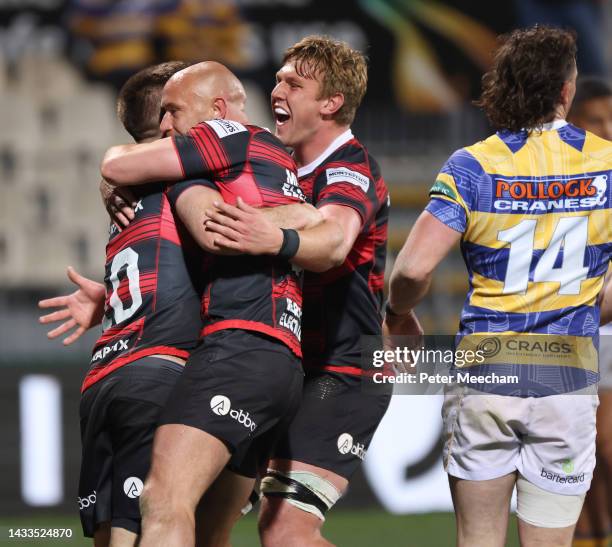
(191, 207)
(427, 244)
(406, 292)
(141, 163)
(321, 247)
(297, 216)
(114, 169)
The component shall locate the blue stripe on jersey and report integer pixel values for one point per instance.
(449, 213)
(569, 134)
(572, 135)
(514, 141)
(571, 321)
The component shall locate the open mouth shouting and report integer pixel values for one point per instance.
(281, 116)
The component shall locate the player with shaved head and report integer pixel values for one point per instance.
(151, 319)
(318, 90)
(243, 383)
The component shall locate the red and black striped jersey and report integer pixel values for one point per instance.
(257, 293)
(152, 289)
(344, 303)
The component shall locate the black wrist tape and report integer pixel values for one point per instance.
(291, 244)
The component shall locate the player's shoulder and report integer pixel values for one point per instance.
(352, 163)
(263, 134)
(229, 128)
(223, 128)
(354, 155)
(597, 147)
(469, 160)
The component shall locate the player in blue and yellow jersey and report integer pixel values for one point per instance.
(531, 208)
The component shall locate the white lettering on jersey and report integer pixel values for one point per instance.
(121, 345)
(224, 128)
(342, 174)
(291, 187)
(291, 318)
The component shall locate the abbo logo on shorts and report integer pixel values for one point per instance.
(222, 406)
(84, 503)
(132, 486)
(347, 445)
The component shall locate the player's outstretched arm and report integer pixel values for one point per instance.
(245, 229)
(81, 310)
(428, 243)
(141, 163)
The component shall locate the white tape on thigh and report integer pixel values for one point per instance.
(324, 490)
(545, 509)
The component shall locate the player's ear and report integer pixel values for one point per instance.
(332, 104)
(219, 108)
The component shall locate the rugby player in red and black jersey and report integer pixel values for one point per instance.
(243, 383)
(319, 88)
(149, 308)
(155, 319)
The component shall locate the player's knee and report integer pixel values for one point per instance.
(302, 489)
(294, 507)
(148, 500)
(544, 509)
(154, 501)
(278, 528)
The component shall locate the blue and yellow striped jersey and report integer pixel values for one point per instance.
(535, 213)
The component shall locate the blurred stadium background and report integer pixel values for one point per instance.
(61, 63)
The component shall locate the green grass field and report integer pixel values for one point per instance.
(371, 528)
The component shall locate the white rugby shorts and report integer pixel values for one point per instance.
(549, 440)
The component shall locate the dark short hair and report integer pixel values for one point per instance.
(523, 88)
(138, 103)
(591, 87)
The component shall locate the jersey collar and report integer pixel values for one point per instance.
(554, 125)
(341, 139)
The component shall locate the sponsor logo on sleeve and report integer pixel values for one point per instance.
(225, 128)
(342, 174)
(441, 188)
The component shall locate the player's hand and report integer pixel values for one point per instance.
(81, 310)
(119, 203)
(402, 330)
(243, 228)
(402, 325)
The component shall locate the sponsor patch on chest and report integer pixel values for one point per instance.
(342, 174)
